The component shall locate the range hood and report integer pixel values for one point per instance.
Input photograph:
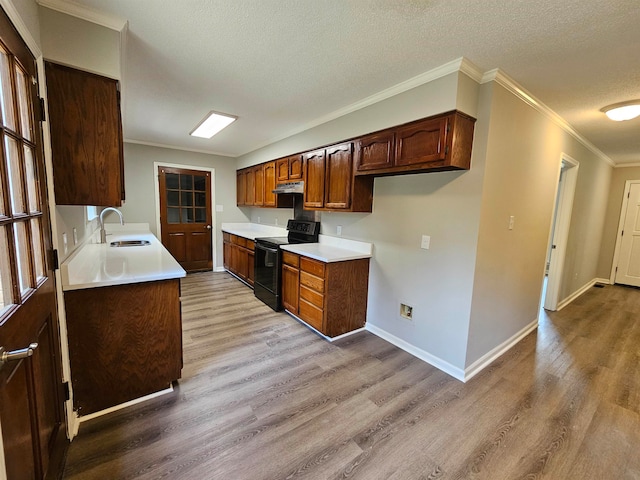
(290, 187)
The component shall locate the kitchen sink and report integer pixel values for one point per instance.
(130, 243)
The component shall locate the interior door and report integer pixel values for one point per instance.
(628, 268)
(185, 216)
(31, 390)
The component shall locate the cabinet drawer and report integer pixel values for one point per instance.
(236, 240)
(310, 314)
(312, 296)
(251, 245)
(290, 259)
(313, 267)
(311, 281)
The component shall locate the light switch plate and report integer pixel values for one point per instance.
(426, 242)
(219, 208)
(512, 221)
(75, 236)
(65, 243)
(339, 230)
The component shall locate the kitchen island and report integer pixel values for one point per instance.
(123, 320)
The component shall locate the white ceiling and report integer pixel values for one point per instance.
(280, 65)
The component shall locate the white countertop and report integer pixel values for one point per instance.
(332, 249)
(101, 265)
(253, 230)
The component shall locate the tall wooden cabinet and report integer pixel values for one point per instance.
(86, 137)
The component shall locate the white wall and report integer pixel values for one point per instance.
(522, 166)
(75, 42)
(140, 179)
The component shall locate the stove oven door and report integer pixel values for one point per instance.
(267, 275)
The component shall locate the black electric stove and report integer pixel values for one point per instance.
(267, 284)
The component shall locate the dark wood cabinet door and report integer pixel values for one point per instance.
(282, 170)
(338, 176)
(250, 192)
(423, 142)
(290, 288)
(314, 174)
(258, 197)
(295, 167)
(251, 260)
(86, 137)
(374, 151)
(241, 188)
(226, 254)
(269, 184)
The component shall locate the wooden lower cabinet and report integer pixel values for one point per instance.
(239, 257)
(330, 297)
(125, 342)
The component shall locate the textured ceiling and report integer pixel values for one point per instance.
(280, 65)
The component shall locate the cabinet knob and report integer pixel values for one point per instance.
(208, 227)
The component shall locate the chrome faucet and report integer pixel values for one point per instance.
(103, 233)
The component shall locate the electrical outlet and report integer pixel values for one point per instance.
(339, 230)
(219, 208)
(426, 242)
(75, 236)
(258, 219)
(276, 222)
(65, 243)
(406, 311)
(512, 220)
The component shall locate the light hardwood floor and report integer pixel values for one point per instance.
(262, 397)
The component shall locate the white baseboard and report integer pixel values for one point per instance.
(219, 269)
(480, 364)
(437, 362)
(91, 416)
(577, 293)
(606, 281)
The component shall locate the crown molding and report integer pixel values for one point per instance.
(24, 32)
(624, 165)
(511, 85)
(459, 65)
(112, 22)
(175, 147)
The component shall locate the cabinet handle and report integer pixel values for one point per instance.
(16, 354)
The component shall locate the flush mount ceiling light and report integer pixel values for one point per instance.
(623, 110)
(212, 124)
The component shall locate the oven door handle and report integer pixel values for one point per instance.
(267, 249)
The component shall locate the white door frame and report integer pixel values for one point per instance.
(623, 213)
(565, 193)
(156, 185)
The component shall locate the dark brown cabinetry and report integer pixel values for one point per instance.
(238, 256)
(290, 281)
(86, 137)
(258, 196)
(314, 175)
(125, 342)
(330, 297)
(434, 144)
(330, 184)
(250, 192)
(269, 184)
(241, 188)
(289, 169)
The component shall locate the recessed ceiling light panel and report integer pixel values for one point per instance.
(212, 124)
(623, 111)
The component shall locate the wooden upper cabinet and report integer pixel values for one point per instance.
(421, 143)
(250, 197)
(314, 175)
(241, 188)
(269, 170)
(282, 170)
(339, 174)
(375, 151)
(434, 144)
(86, 137)
(258, 197)
(295, 167)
